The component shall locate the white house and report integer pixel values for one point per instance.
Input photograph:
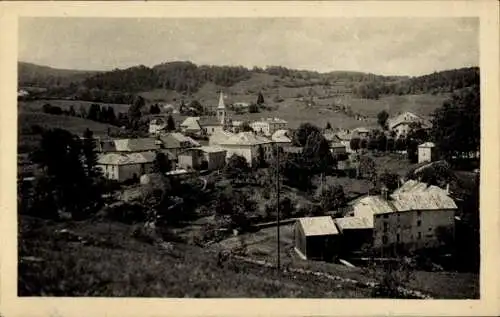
(125, 166)
(402, 123)
(282, 138)
(426, 152)
(247, 144)
(157, 125)
(269, 125)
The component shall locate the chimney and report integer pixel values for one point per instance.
(384, 192)
(447, 188)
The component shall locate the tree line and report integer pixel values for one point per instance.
(438, 82)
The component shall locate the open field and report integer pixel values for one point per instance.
(263, 245)
(58, 264)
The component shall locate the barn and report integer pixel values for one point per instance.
(316, 238)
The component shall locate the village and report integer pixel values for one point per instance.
(233, 174)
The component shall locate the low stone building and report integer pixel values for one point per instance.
(125, 166)
(427, 152)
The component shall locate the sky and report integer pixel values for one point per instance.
(386, 46)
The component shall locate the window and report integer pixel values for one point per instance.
(430, 229)
(385, 226)
(384, 239)
(397, 237)
(419, 223)
(419, 214)
(386, 216)
(419, 236)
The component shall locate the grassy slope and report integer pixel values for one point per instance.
(97, 269)
(28, 141)
(262, 245)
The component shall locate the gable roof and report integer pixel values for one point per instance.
(208, 121)
(245, 138)
(191, 123)
(126, 158)
(221, 101)
(281, 136)
(130, 145)
(427, 144)
(353, 223)
(331, 137)
(318, 226)
(219, 136)
(177, 140)
(405, 117)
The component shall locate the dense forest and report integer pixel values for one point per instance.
(119, 85)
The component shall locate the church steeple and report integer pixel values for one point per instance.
(221, 109)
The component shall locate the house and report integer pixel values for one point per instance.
(410, 218)
(426, 152)
(125, 166)
(248, 145)
(403, 123)
(269, 125)
(191, 125)
(281, 138)
(22, 93)
(176, 142)
(203, 158)
(316, 238)
(331, 137)
(338, 148)
(345, 139)
(361, 133)
(356, 232)
(157, 125)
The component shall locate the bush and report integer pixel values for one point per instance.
(124, 212)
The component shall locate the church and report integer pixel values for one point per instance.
(208, 125)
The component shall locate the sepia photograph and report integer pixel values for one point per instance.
(250, 157)
(267, 157)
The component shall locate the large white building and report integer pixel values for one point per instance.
(247, 144)
(410, 218)
(401, 124)
(268, 126)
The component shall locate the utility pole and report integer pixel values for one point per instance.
(278, 203)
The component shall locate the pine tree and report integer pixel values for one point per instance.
(170, 123)
(260, 99)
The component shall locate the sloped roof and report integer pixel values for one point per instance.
(281, 136)
(204, 121)
(362, 130)
(353, 223)
(427, 144)
(406, 117)
(245, 138)
(134, 145)
(344, 136)
(318, 226)
(191, 123)
(331, 137)
(221, 102)
(337, 145)
(126, 158)
(209, 149)
(219, 136)
(177, 140)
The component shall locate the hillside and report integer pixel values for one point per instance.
(43, 76)
(29, 137)
(87, 260)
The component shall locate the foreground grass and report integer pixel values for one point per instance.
(108, 262)
(262, 245)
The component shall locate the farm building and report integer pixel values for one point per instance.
(316, 238)
(356, 232)
(403, 123)
(176, 142)
(125, 166)
(157, 125)
(426, 152)
(203, 158)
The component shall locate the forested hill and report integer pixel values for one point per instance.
(46, 77)
(186, 77)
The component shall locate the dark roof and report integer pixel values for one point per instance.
(204, 121)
